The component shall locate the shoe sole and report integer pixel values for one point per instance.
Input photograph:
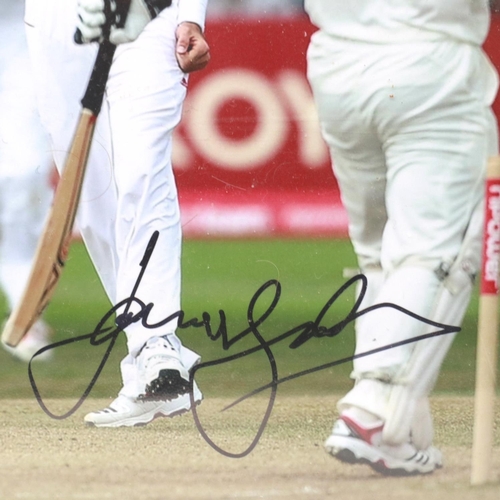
(142, 423)
(167, 386)
(348, 456)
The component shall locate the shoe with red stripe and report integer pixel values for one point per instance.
(354, 443)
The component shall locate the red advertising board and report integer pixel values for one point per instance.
(248, 155)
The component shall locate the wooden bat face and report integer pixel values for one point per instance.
(53, 246)
(54, 242)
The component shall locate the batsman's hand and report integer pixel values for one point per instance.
(192, 50)
(119, 21)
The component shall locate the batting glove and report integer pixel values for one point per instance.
(119, 21)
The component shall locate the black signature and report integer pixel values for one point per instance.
(302, 334)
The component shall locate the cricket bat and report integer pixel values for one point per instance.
(53, 245)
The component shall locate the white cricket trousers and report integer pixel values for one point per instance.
(25, 159)
(129, 190)
(410, 129)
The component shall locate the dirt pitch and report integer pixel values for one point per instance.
(43, 458)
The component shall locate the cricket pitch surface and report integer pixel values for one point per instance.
(46, 458)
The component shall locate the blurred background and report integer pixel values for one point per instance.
(259, 202)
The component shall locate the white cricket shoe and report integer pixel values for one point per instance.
(127, 412)
(161, 371)
(353, 443)
(36, 338)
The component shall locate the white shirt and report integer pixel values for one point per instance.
(188, 10)
(193, 11)
(399, 21)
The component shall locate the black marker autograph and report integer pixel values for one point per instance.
(304, 332)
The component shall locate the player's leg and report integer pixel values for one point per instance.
(142, 120)
(371, 449)
(358, 159)
(430, 247)
(25, 200)
(25, 166)
(417, 378)
(432, 194)
(414, 285)
(63, 69)
(359, 166)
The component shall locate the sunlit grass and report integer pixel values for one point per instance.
(225, 275)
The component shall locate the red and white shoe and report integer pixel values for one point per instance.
(354, 443)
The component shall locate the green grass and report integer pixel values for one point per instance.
(225, 275)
